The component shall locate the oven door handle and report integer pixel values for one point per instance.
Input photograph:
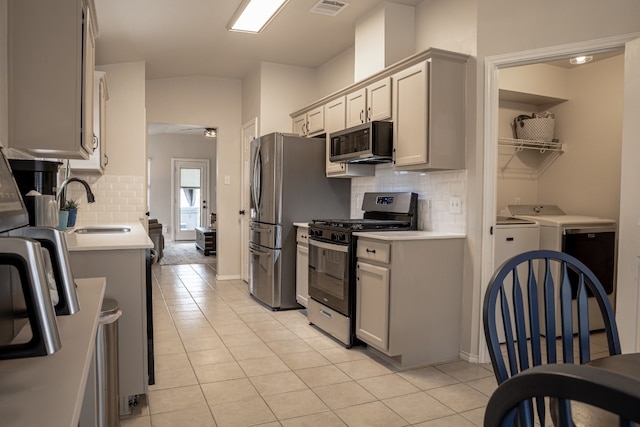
(329, 246)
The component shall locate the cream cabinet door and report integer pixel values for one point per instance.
(372, 305)
(410, 112)
(335, 121)
(356, 108)
(315, 120)
(300, 125)
(302, 275)
(379, 100)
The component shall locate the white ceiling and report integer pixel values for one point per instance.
(189, 37)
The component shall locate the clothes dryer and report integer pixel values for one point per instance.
(590, 239)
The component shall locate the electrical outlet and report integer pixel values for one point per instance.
(455, 205)
(517, 200)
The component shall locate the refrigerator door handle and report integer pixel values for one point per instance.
(259, 228)
(257, 184)
(254, 249)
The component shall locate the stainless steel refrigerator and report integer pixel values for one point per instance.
(288, 184)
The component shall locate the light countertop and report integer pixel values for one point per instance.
(48, 390)
(409, 235)
(137, 238)
(301, 224)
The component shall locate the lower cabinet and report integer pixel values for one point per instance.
(302, 267)
(409, 298)
(125, 271)
(372, 322)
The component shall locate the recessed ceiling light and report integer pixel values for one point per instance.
(581, 60)
(253, 15)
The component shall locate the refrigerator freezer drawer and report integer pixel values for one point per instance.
(264, 275)
(267, 235)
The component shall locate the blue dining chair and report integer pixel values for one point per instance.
(617, 394)
(536, 302)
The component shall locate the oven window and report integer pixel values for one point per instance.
(329, 277)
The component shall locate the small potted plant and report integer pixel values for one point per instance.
(72, 207)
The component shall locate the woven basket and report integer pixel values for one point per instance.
(534, 128)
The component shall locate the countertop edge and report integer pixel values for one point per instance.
(409, 235)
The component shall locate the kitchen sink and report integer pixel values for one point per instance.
(103, 229)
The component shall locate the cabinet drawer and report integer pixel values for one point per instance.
(302, 235)
(374, 251)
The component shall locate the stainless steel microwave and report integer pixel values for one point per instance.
(371, 142)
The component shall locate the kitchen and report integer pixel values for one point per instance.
(481, 30)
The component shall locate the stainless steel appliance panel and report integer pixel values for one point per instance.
(266, 182)
(288, 184)
(329, 274)
(264, 275)
(267, 235)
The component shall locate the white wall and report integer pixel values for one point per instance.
(447, 24)
(251, 97)
(216, 101)
(586, 179)
(283, 89)
(120, 192)
(336, 74)
(161, 149)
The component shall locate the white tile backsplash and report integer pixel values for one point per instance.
(119, 199)
(434, 190)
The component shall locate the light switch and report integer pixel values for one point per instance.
(227, 180)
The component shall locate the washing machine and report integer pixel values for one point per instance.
(590, 239)
(514, 236)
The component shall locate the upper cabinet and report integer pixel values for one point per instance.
(98, 160)
(429, 113)
(51, 64)
(369, 103)
(310, 123)
(424, 95)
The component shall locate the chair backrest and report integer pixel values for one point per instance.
(608, 390)
(538, 300)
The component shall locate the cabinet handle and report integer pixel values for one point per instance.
(324, 313)
(369, 114)
(361, 114)
(371, 251)
(106, 160)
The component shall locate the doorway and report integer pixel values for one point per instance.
(629, 328)
(190, 195)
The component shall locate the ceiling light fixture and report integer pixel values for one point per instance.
(210, 132)
(578, 60)
(253, 15)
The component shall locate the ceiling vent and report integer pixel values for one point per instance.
(328, 7)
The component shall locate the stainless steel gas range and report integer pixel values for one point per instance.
(332, 259)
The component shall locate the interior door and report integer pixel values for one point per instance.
(190, 195)
(249, 133)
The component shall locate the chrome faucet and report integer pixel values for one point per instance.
(61, 192)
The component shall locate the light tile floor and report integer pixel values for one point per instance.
(223, 360)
